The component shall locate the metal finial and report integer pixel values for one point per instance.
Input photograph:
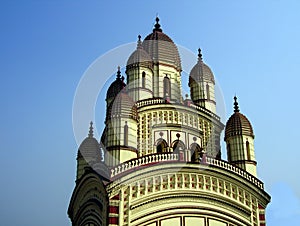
(91, 131)
(236, 105)
(139, 43)
(119, 72)
(157, 25)
(199, 54)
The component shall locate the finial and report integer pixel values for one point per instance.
(236, 105)
(139, 43)
(91, 132)
(157, 25)
(119, 72)
(199, 54)
(161, 134)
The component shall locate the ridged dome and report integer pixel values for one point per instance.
(238, 124)
(161, 48)
(90, 148)
(122, 106)
(116, 86)
(201, 72)
(139, 57)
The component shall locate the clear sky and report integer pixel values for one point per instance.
(253, 48)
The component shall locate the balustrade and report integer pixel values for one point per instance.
(171, 157)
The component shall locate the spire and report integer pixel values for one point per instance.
(157, 25)
(236, 105)
(139, 42)
(199, 55)
(118, 73)
(91, 132)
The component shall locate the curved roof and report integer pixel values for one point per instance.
(139, 57)
(201, 72)
(238, 124)
(116, 86)
(161, 47)
(90, 148)
(122, 106)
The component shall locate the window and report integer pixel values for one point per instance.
(167, 87)
(248, 150)
(126, 134)
(143, 79)
(207, 91)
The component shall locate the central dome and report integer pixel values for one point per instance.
(161, 48)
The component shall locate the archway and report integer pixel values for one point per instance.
(196, 152)
(161, 145)
(178, 146)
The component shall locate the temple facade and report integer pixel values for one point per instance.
(158, 161)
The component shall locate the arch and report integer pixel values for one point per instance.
(161, 145)
(143, 79)
(248, 150)
(167, 87)
(177, 146)
(196, 152)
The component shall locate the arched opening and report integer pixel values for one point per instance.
(248, 150)
(126, 134)
(161, 146)
(196, 152)
(167, 87)
(178, 146)
(207, 91)
(143, 79)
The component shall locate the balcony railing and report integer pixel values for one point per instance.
(142, 161)
(236, 170)
(150, 102)
(134, 164)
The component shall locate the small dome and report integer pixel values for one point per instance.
(122, 106)
(201, 72)
(90, 148)
(116, 86)
(161, 48)
(139, 57)
(238, 124)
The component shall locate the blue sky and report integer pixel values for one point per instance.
(252, 47)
